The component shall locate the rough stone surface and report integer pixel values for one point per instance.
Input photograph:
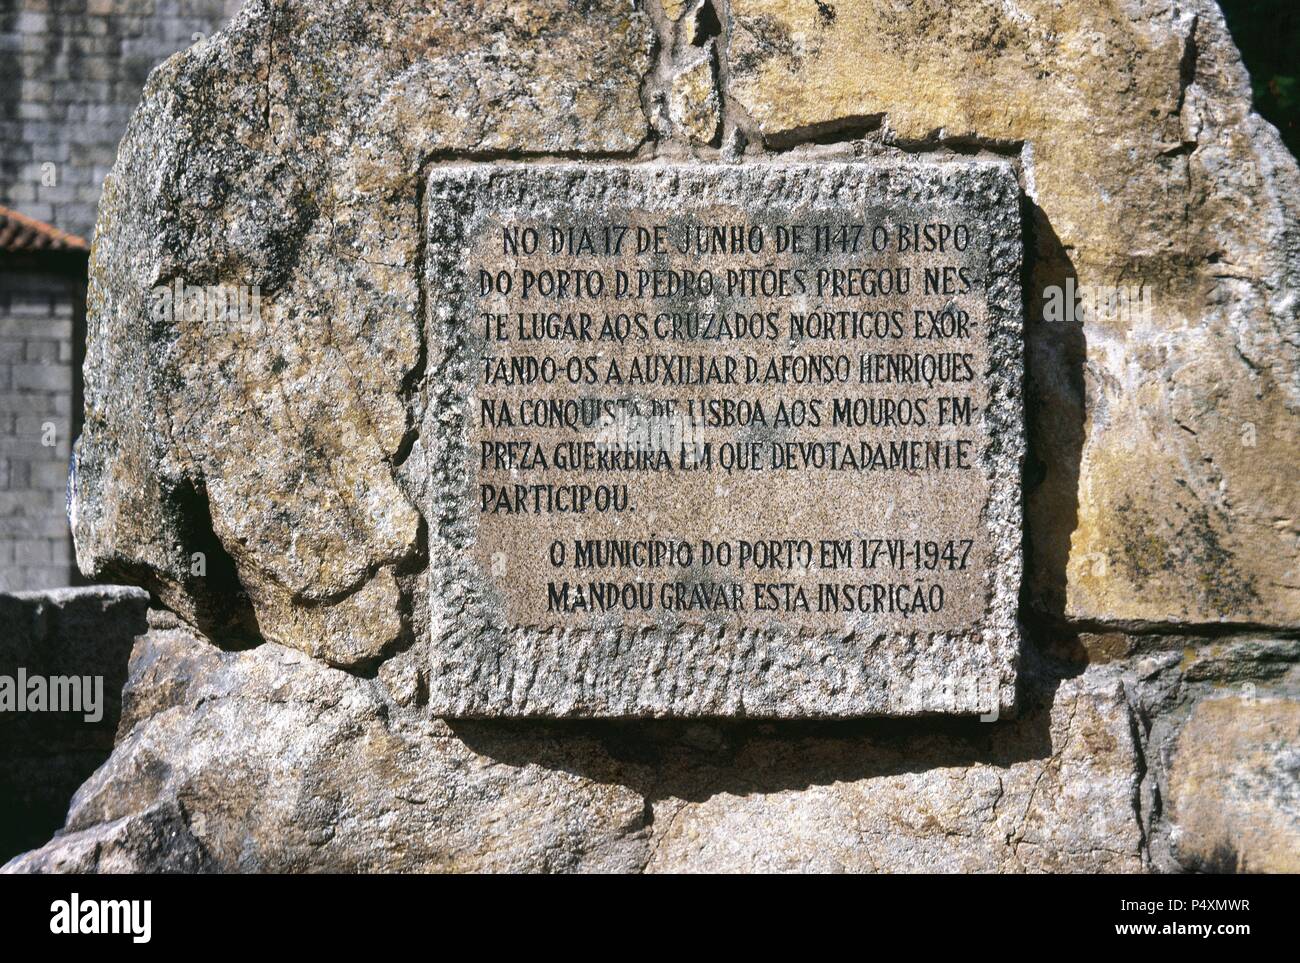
(1145, 166)
(673, 8)
(267, 760)
(283, 154)
(281, 764)
(286, 152)
(154, 841)
(693, 98)
(1055, 795)
(290, 152)
(47, 755)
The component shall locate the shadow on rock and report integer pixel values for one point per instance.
(83, 632)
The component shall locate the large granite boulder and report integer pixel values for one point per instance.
(1159, 492)
(261, 470)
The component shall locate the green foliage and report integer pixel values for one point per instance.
(1268, 34)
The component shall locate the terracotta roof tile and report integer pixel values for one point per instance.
(20, 233)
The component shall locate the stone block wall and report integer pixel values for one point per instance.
(41, 317)
(71, 72)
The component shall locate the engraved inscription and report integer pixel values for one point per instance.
(690, 410)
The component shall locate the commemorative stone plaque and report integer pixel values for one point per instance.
(724, 440)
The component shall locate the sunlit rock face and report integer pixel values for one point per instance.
(281, 159)
(1166, 427)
